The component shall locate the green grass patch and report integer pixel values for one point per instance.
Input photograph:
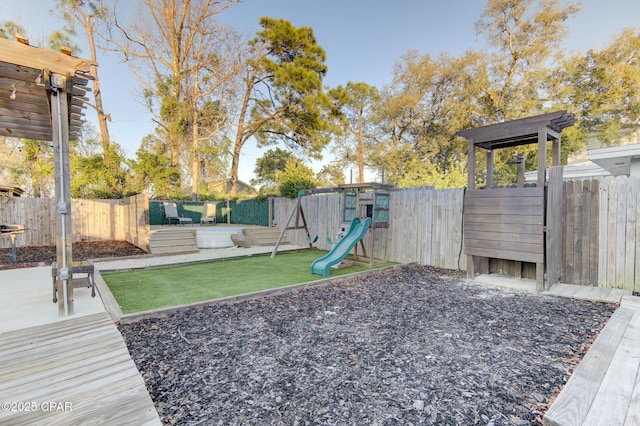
(148, 289)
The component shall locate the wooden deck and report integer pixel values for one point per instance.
(76, 371)
(605, 387)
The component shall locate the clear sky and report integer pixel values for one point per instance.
(363, 40)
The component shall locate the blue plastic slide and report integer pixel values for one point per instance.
(357, 230)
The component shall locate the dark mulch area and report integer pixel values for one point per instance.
(30, 256)
(410, 345)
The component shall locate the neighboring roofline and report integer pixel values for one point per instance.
(614, 152)
(616, 159)
(573, 171)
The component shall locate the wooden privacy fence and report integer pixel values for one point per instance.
(92, 220)
(601, 226)
(600, 229)
(425, 225)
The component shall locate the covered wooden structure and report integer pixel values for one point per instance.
(11, 191)
(42, 96)
(522, 224)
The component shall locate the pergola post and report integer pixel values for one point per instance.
(542, 157)
(471, 185)
(60, 132)
(490, 164)
(46, 104)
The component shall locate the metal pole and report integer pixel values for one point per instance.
(13, 248)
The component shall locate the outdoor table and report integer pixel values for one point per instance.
(76, 268)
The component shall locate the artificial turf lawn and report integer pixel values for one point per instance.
(156, 288)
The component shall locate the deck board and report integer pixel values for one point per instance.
(613, 398)
(605, 387)
(576, 398)
(83, 362)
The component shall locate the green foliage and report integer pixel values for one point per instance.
(100, 175)
(431, 98)
(267, 168)
(59, 39)
(153, 172)
(296, 176)
(454, 177)
(35, 172)
(522, 36)
(293, 107)
(330, 175)
(357, 102)
(9, 29)
(283, 99)
(603, 87)
(420, 112)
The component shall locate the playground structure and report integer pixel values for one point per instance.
(364, 211)
(521, 224)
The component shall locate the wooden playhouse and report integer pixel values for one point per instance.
(518, 224)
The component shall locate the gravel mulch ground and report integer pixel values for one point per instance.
(409, 345)
(30, 256)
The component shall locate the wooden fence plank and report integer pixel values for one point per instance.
(620, 227)
(603, 235)
(630, 254)
(578, 219)
(611, 234)
(635, 181)
(554, 231)
(592, 229)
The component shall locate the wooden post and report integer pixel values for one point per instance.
(64, 236)
(553, 235)
(520, 172)
(556, 159)
(471, 166)
(489, 169)
(542, 156)
(285, 227)
(471, 184)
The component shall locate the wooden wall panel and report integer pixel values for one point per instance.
(487, 214)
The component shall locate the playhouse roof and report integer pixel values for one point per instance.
(517, 132)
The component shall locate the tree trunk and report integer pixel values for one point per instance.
(102, 117)
(235, 161)
(195, 157)
(240, 137)
(360, 150)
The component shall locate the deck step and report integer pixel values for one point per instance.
(254, 236)
(603, 389)
(172, 241)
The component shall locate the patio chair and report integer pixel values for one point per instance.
(171, 214)
(208, 213)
